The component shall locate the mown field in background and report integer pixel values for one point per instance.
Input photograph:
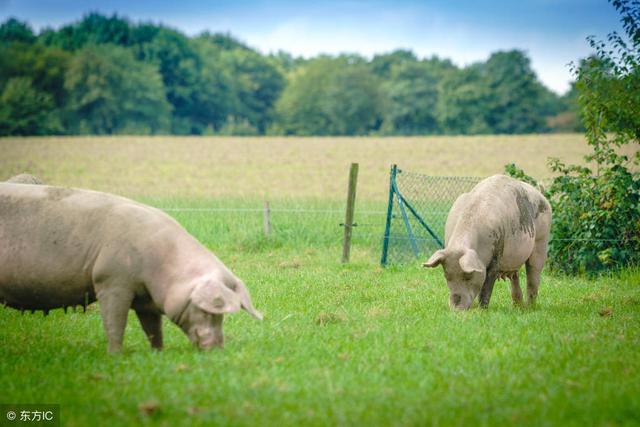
(262, 168)
(340, 344)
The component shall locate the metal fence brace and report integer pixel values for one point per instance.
(423, 203)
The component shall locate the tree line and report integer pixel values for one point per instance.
(108, 75)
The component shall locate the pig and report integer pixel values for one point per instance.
(501, 224)
(64, 247)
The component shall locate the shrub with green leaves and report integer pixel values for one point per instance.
(596, 210)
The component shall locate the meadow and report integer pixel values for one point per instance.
(273, 167)
(341, 344)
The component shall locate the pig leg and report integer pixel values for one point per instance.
(534, 268)
(516, 292)
(152, 325)
(114, 308)
(487, 288)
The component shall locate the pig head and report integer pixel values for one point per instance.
(464, 272)
(199, 309)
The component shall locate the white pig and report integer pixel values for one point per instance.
(501, 224)
(63, 247)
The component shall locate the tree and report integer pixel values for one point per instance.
(382, 64)
(92, 29)
(353, 101)
(461, 108)
(567, 116)
(216, 83)
(44, 66)
(596, 208)
(258, 84)
(299, 109)
(13, 30)
(110, 92)
(609, 81)
(331, 96)
(216, 97)
(179, 66)
(413, 89)
(24, 110)
(515, 97)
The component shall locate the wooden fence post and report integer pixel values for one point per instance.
(348, 221)
(266, 220)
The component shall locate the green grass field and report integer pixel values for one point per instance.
(340, 344)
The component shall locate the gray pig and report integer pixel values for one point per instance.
(490, 232)
(64, 247)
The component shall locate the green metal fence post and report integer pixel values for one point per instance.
(387, 227)
(422, 222)
(405, 218)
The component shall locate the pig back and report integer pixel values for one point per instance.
(503, 216)
(522, 215)
(49, 240)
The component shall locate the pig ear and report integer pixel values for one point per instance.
(470, 262)
(436, 259)
(214, 298)
(245, 300)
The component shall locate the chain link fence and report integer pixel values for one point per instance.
(417, 213)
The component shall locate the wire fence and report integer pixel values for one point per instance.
(292, 223)
(418, 208)
(416, 213)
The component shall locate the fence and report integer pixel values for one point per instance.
(293, 223)
(409, 227)
(417, 212)
(414, 227)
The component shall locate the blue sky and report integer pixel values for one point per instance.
(552, 32)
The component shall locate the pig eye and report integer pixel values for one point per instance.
(467, 276)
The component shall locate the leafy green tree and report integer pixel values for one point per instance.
(224, 41)
(179, 66)
(110, 92)
(215, 83)
(24, 110)
(92, 29)
(567, 116)
(609, 82)
(258, 85)
(501, 95)
(330, 96)
(413, 89)
(44, 66)
(353, 101)
(382, 64)
(13, 30)
(299, 109)
(461, 108)
(216, 98)
(285, 62)
(596, 209)
(515, 97)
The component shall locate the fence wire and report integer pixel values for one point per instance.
(431, 198)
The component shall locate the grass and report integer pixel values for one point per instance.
(340, 344)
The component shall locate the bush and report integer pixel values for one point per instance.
(596, 210)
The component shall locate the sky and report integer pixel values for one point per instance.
(552, 32)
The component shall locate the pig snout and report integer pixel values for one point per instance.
(206, 338)
(460, 301)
